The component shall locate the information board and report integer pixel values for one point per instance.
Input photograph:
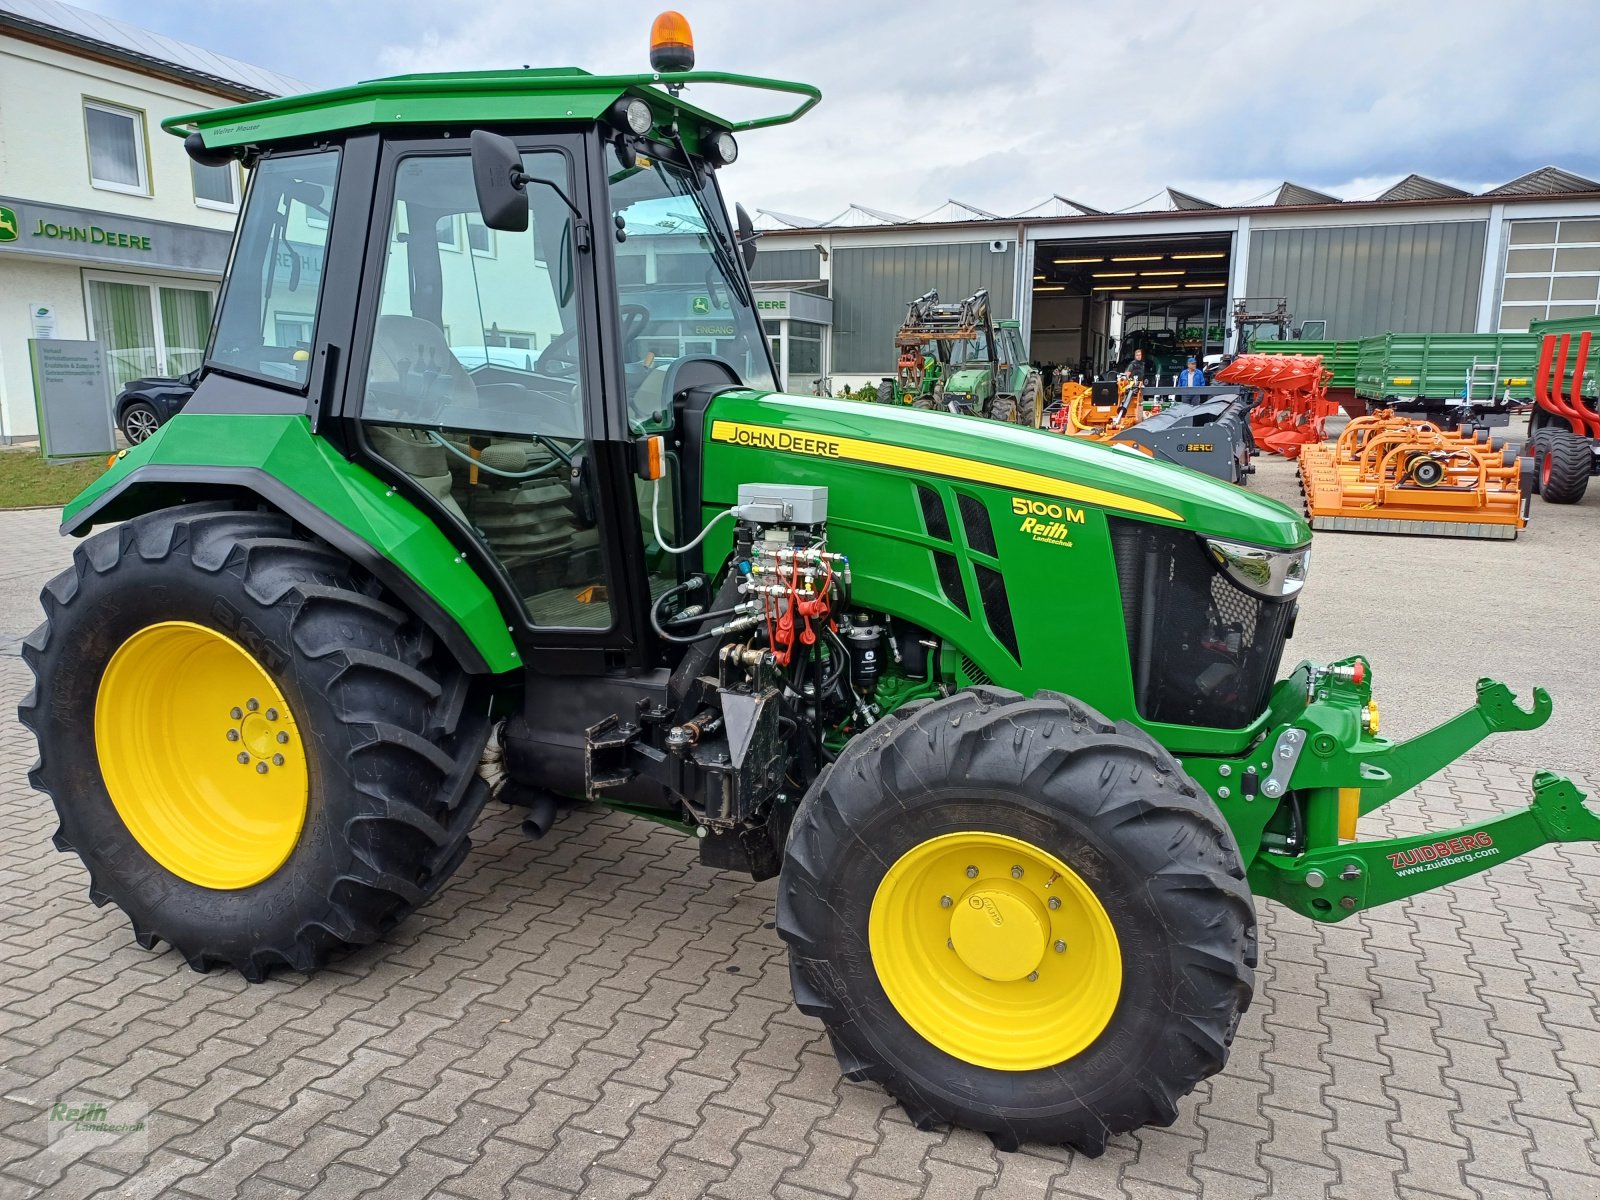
(72, 392)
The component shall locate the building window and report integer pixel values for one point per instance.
(215, 187)
(116, 148)
(479, 237)
(1552, 271)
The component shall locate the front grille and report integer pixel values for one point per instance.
(975, 520)
(1203, 650)
(997, 607)
(950, 581)
(933, 514)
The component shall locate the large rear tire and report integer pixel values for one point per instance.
(886, 392)
(1018, 917)
(1031, 403)
(1564, 462)
(257, 754)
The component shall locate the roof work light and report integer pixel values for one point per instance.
(671, 43)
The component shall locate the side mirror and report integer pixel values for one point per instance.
(747, 236)
(497, 175)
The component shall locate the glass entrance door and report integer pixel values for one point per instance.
(148, 328)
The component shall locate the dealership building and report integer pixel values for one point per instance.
(107, 230)
(1422, 256)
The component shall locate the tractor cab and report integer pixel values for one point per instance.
(495, 315)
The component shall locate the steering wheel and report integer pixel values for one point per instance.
(634, 319)
(556, 360)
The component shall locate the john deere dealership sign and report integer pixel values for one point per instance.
(53, 231)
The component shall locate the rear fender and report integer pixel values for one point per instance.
(276, 459)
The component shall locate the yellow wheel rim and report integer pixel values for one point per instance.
(201, 755)
(995, 951)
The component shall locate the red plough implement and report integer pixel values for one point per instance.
(1294, 402)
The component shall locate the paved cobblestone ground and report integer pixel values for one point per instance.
(597, 1014)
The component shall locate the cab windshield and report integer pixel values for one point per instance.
(681, 291)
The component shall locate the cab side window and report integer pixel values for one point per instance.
(475, 385)
(268, 313)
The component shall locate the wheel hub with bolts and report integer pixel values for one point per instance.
(180, 709)
(995, 950)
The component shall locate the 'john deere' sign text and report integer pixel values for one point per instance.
(93, 234)
(56, 231)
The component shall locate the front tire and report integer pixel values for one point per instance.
(1018, 917)
(257, 755)
(1004, 408)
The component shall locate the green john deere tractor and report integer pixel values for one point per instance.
(988, 374)
(462, 471)
(922, 350)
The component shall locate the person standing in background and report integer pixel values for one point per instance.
(1191, 376)
(1136, 368)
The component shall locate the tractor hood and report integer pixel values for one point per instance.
(967, 380)
(1026, 461)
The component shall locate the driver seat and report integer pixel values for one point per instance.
(525, 523)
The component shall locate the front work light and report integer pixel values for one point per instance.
(632, 115)
(1275, 574)
(671, 43)
(720, 147)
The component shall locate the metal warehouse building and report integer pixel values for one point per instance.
(1421, 257)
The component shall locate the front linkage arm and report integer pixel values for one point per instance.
(1331, 883)
(1346, 775)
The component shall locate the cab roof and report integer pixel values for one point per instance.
(530, 95)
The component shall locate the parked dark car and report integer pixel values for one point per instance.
(145, 405)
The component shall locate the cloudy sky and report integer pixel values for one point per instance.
(1000, 103)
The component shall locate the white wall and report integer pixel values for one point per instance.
(43, 155)
(23, 283)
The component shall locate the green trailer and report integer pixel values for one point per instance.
(1338, 357)
(1448, 376)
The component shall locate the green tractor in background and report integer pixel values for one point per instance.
(989, 374)
(460, 469)
(922, 356)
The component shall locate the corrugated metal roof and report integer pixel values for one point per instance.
(120, 40)
(1186, 202)
(1294, 193)
(956, 210)
(1545, 180)
(859, 214)
(771, 218)
(1420, 187)
(1059, 206)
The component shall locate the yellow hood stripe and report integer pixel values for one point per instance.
(878, 454)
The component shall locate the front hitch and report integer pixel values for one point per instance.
(1331, 883)
(1387, 773)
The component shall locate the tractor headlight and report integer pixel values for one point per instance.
(721, 147)
(633, 115)
(1275, 574)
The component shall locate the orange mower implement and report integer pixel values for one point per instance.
(1391, 474)
(1094, 411)
(1294, 404)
